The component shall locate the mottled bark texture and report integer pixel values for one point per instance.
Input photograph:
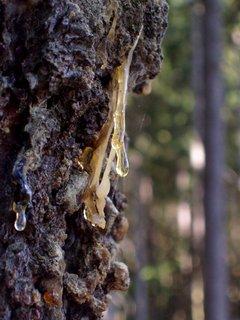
(57, 58)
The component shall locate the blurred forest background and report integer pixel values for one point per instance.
(165, 245)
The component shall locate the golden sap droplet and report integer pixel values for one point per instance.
(122, 166)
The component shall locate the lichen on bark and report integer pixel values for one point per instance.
(57, 63)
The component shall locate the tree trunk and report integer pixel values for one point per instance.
(215, 246)
(197, 221)
(142, 197)
(60, 73)
(197, 36)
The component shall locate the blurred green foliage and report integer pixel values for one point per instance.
(161, 123)
(161, 128)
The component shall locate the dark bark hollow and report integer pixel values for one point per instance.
(57, 62)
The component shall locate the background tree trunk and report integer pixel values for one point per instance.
(216, 307)
(143, 198)
(197, 158)
(57, 60)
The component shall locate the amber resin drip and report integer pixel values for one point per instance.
(95, 196)
(121, 76)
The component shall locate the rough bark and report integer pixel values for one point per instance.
(57, 61)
